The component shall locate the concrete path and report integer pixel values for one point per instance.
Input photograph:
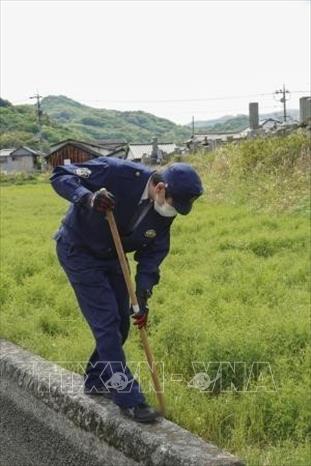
(47, 420)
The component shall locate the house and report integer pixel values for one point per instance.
(21, 159)
(150, 153)
(270, 124)
(73, 151)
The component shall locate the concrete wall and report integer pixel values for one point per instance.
(305, 110)
(253, 115)
(46, 419)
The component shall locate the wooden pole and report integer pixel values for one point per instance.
(134, 302)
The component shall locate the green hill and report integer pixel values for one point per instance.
(66, 118)
(19, 126)
(96, 123)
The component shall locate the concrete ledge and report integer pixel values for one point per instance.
(93, 428)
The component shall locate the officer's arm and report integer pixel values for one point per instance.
(149, 260)
(75, 181)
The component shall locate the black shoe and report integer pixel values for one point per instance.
(92, 391)
(141, 413)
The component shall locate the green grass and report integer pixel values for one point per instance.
(235, 288)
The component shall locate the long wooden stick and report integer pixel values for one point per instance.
(134, 302)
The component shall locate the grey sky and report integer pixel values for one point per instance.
(157, 56)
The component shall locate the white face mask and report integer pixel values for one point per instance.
(165, 209)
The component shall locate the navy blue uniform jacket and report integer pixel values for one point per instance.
(87, 229)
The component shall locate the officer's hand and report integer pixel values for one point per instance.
(102, 200)
(141, 317)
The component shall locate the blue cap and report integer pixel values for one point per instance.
(183, 185)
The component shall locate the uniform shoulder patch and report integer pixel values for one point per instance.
(85, 172)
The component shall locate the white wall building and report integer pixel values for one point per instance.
(22, 159)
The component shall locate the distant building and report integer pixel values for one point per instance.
(150, 153)
(269, 124)
(210, 141)
(23, 159)
(73, 151)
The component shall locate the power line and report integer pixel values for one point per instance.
(175, 100)
(202, 99)
(205, 99)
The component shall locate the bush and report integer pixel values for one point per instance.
(271, 174)
(18, 178)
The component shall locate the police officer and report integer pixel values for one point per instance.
(145, 203)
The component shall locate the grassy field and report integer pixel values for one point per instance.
(234, 289)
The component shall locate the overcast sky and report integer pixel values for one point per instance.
(171, 58)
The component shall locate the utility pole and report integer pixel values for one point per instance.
(39, 111)
(39, 117)
(283, 99)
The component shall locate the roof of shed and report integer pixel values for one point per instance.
(10, 151)
(7, 152)
(97, 143)
(31, 151)
(97, 150)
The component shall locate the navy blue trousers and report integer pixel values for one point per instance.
(103, 299)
